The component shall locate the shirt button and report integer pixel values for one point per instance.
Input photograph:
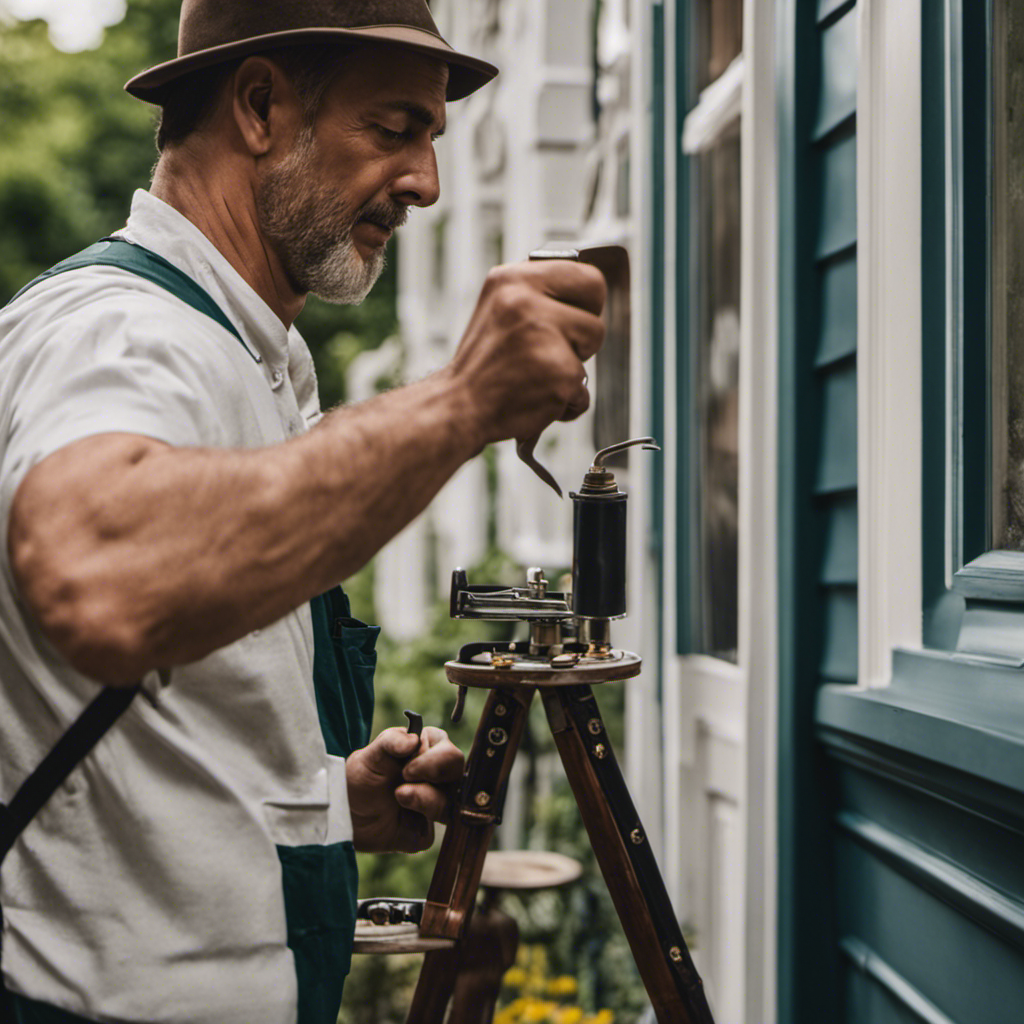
(276, 378)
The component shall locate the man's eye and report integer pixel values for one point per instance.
(390, 135)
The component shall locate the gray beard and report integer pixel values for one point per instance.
(311, 229)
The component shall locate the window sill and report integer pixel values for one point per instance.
(964, 717)
(994, 576)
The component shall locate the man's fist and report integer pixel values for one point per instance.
(398, 787)
(522, 355)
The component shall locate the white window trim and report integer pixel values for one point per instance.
(889, 333)
(758, 518)
(700, 691)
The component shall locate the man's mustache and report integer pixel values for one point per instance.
(386, 215)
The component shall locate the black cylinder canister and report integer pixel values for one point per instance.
(599, 555)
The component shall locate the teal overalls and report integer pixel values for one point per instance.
(319, 882)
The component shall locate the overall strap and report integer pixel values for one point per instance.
(110, 703)
(117, 252)
(71, 748)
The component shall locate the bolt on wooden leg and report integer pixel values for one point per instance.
(624, 855)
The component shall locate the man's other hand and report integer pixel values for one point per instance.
(398, 786)
(521, 358)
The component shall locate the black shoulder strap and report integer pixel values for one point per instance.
(108, 706)
(71, 748)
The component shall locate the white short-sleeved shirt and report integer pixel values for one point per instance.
(149, 887)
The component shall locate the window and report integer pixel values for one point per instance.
(711, 137)
(973, 220)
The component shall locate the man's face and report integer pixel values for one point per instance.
(330, 205)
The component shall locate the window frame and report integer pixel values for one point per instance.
(974, 568)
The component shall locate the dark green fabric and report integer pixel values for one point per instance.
(344, 660)
(28, 1011)
(115, 252)
(321, 882)
(320, 889)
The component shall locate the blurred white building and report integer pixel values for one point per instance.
(523, 163)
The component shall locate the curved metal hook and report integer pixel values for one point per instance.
(649, 444)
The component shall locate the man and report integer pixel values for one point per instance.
(174, 503)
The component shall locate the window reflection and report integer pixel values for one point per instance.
(1008, 275)
(719, 392)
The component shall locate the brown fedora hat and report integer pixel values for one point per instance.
(212, 31)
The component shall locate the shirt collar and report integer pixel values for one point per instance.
(163, 230)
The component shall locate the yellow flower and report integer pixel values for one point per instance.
(562, 986)
(515, 977)
(538, 1011)
(568, 1015)
(601, 1017)
(512, 1013)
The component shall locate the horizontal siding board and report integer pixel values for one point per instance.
(839, 646)
(944, 823)
(839, 564)
(961, 968)
(998, 912)
(838, 169)
(838, 97)
(877, 994)
(838, 336)
(837, 459)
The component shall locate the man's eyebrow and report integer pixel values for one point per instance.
(418, 113)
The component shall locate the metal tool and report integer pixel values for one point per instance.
(568, 650)
(613, 262)
(384, 910)
(415, 725)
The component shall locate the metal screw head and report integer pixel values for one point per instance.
(500, 710)
(482, 799)
(497, 737)
(565, 660)
(594, 727)
(676, 954)
(600, 751)
(491, 751)
(636, 836)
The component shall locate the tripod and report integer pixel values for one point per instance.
(616, 833)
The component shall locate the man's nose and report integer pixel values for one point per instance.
(418, 183)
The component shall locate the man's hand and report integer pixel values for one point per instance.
(522, 355)
(397, 788)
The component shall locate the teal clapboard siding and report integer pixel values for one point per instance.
(817, 478)
(837, 335)
(909, 899)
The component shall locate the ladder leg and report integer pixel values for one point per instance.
(626, 859)
(453, 888)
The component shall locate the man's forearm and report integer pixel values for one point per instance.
(135, 555)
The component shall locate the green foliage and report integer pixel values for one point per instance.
(76, 147)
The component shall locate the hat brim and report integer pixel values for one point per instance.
(466, 74)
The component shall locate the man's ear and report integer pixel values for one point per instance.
(264, 104)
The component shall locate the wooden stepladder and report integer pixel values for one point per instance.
(606, 808)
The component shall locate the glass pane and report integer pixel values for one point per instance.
(1008, 275)
(718, 394)
(720, 29)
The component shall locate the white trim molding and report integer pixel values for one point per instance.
(758, 558)
(889, 333)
